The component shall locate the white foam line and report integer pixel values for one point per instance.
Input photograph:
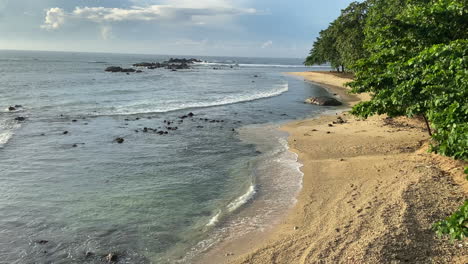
(214, 220)
(242, 199)
(226, 101)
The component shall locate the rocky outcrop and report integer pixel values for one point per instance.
(119, 69)
(323, 101)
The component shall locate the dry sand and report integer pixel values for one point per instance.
(371, 193)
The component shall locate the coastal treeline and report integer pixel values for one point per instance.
(411, 56)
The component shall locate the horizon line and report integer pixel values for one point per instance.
(153, 54)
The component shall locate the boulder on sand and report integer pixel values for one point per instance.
(323, 101)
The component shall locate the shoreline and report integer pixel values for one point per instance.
(368, 193)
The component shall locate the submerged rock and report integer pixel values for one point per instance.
(11, 108)
(323, 101)
(20, 118)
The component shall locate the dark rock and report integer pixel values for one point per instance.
(330, 125)
(119, 140)
(89, 254)
(113, 69)
(18, 106)
(74, 120)
(139, 71)
(42, 241)
(323, 101)
(65, 132)
(256, 76)
(191, 114)
(183, 117)
(128, 73)
(74, 145)
(11, 108)
(20, 118)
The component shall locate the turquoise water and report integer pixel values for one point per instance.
(154, 198)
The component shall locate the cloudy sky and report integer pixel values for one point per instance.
(264, 28)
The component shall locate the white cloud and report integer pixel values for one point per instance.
(193, 12)
(267, 44)
(55, 17)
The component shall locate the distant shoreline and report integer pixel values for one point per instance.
(363, 181)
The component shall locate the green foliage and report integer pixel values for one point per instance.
(341, 43)
(417, 65)
(456, 225)
(324, 50)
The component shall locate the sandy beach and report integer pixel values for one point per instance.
(370, 194)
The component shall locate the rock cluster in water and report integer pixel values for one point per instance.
(171, 64)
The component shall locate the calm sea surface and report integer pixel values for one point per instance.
(76, 197)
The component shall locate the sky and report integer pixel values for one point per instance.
(259, 28)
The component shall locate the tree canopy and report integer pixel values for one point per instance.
(341, 44)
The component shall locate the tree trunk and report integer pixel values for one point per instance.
(427, 125)
(342, 68)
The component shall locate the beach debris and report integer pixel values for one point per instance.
(119, 140)
(323, 101)
(20, 118)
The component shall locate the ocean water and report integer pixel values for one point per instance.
(76, 197)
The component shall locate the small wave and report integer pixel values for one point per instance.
(242, 199)
(7, 133)
(225, 101)
(214, 220)
(5, 137)
(97, 61)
